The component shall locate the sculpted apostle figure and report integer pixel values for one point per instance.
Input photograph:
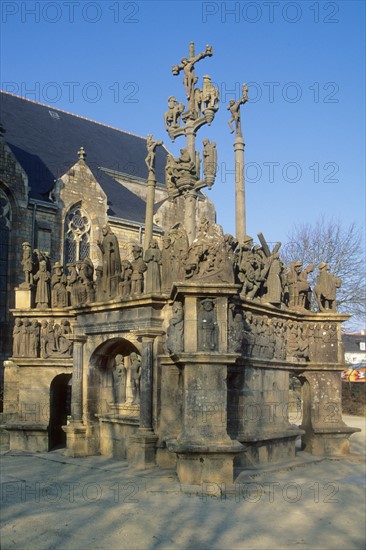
(42, 278)
(153, 262)
(111, 262)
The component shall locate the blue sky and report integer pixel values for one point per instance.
(304, 61)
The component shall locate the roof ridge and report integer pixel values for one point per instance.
(72, 114)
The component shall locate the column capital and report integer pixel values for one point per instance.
(148, 334)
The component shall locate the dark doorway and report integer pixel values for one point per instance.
(60, 409)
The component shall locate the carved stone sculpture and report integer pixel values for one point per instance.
(172, 116)
(59, 297)
(125, 284)
(209, 161)
(135, 377)
(44, 339)
(27, 263)
(119, 380)
(298, 286)
(153, 262)
(236, 330)
(234, 108)
(151, 146)
(62, 332)
(249, 270)
(175, 331)
(180, 172)
(86, 279)
(275, 281)
(111, 262)
(73, 285)
(325, 288)
(17, 337)
(138, 270)
(34, 338)
(207, 326)
(42, 278)
(187, 66)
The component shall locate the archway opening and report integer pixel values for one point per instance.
(60, 409)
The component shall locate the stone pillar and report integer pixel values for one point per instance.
(77, 379)
(146, 383)
(143, 443)
(190, 200)
(240, 215)
(325, 431)
(76, 430)
(150, 199)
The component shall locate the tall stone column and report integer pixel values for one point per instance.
(76, 430)
(240, 215)
(143, 444)
(149, 217)
(190, 214)
(77, 379)
(146, 422)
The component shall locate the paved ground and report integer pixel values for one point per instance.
(53, 502)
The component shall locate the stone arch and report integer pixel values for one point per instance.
(100, 393)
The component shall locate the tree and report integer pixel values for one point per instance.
(342, 248)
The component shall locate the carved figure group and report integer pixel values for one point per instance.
(126, 374)
(32, 338)
(325, 288)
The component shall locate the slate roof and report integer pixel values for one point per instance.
(45, 142)
(351, 342)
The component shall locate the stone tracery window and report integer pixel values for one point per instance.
(77, 235)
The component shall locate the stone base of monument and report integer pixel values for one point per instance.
(198, 464)
(268, 448)
(28, 437)
(75, 439)
(142, 449)
(117, 428)
(23, 298)
(328, 441)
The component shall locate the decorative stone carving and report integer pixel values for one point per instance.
(179, 251)
(209, 258)
(86, 280)
(180, 173)
(138, 270)
(166, 264)
(119, 380)
(59, 296)
(151, 145)
(153, 261)
(298, 286)
(234, 108)
(208, 333)
(34, 338)
(73, 285)
(135, 367)
(27, 263)
(125, 284)
(209, 161)
(187, 66)
(64, 345)
(175, 331)
(172, 117)
(275, 281)
(325, 288)
(236, 329)
(111, 263)
(17, 337)
(42, 279)
(249, 270)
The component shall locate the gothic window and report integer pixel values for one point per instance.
(77, 235)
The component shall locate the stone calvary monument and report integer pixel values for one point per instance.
(179, 354)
